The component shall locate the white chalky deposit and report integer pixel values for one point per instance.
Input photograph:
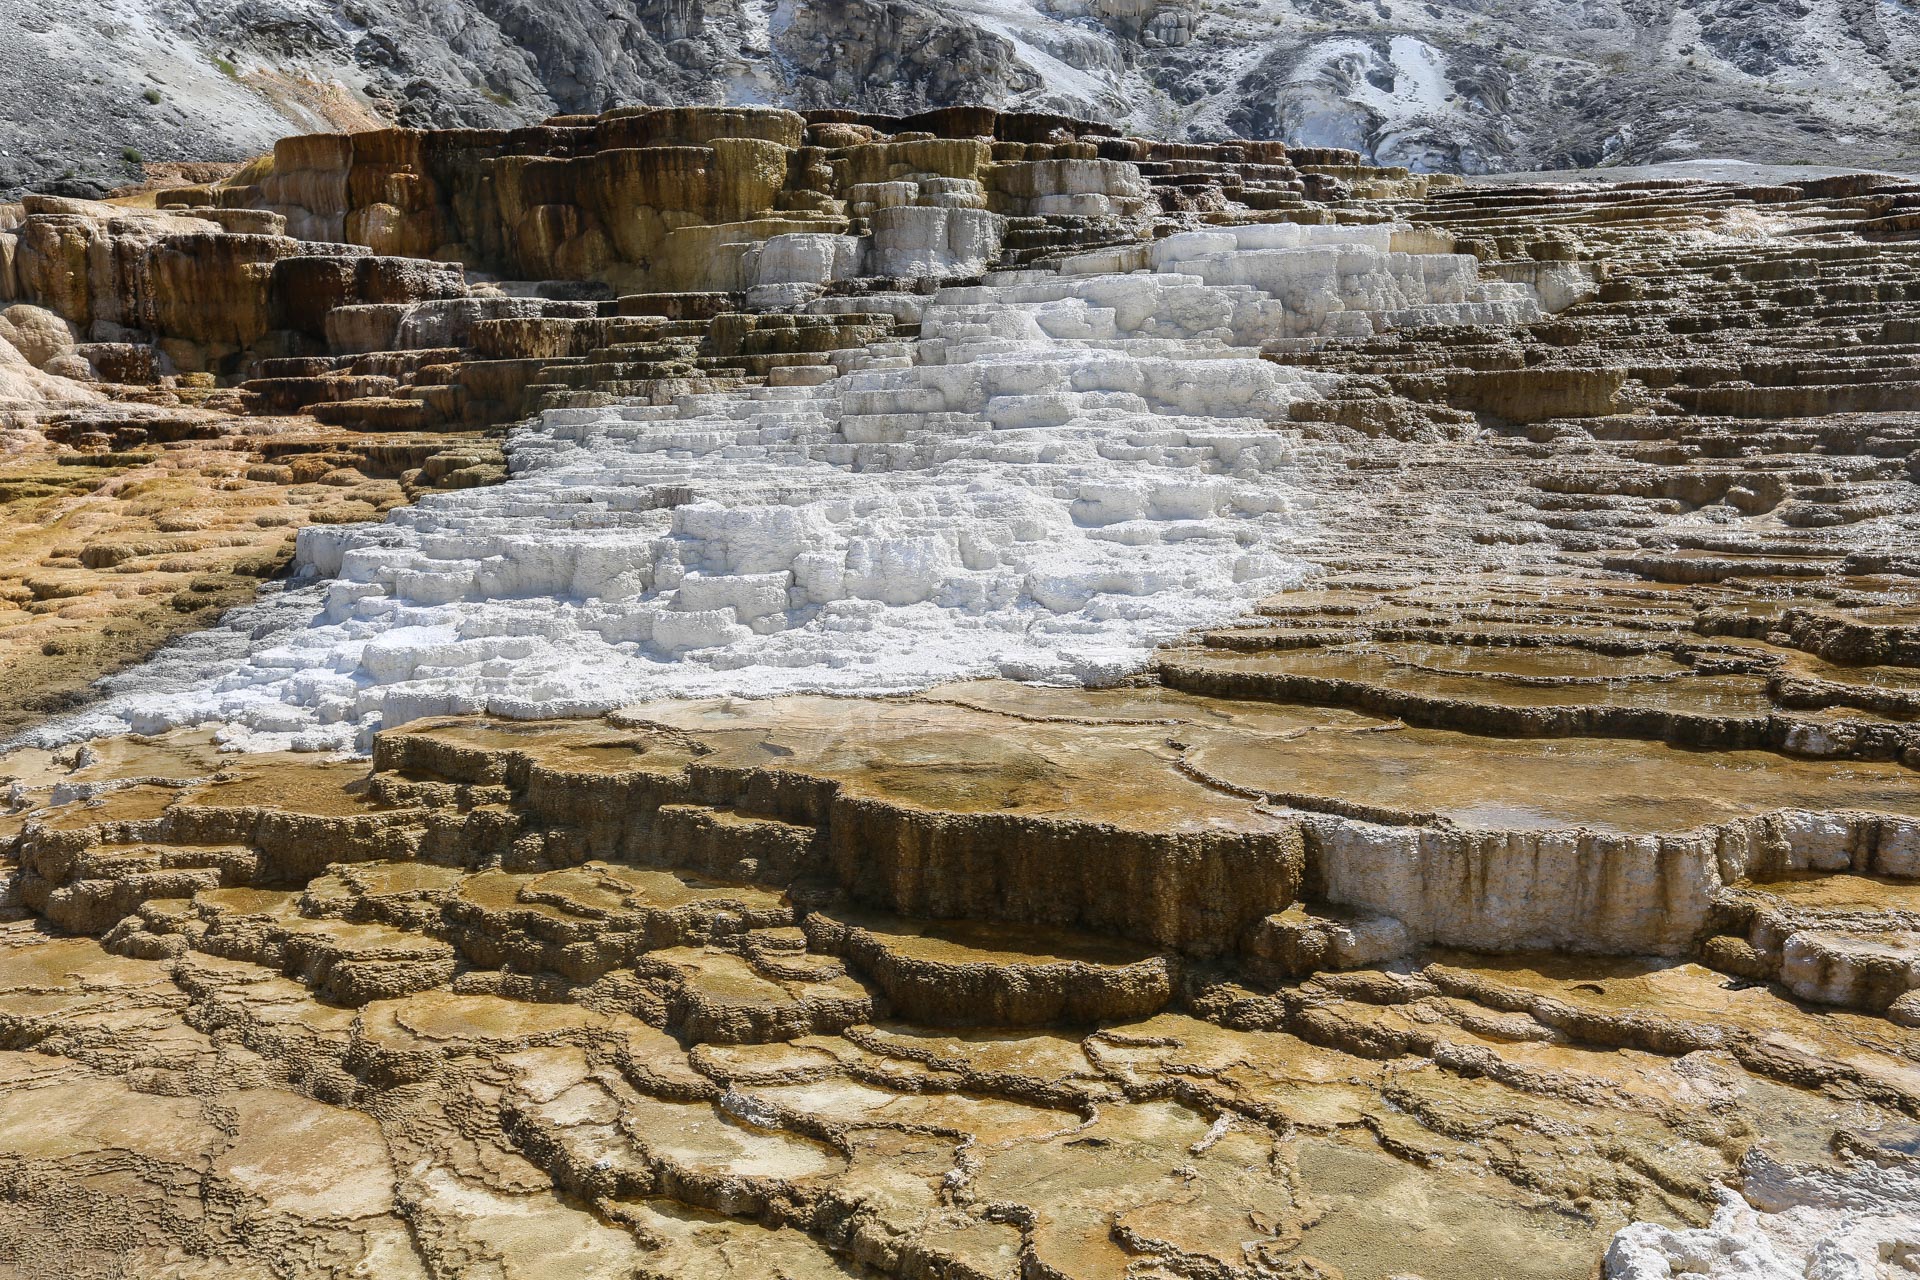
(1791, 1224)
(1062, 473)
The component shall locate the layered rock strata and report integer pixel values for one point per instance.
(1400, 756)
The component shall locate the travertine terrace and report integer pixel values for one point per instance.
(1025, 703)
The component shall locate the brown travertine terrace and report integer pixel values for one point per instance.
(1523, 881)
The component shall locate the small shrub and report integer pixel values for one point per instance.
(227, 69)
(152, 96)
(131, 156)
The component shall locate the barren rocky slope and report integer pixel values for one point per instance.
(1464, 85)
(1398, 758)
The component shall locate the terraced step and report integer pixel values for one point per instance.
(962, 973)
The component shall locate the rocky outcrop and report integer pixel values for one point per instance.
(204, 297)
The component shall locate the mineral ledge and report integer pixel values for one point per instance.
(960, 696)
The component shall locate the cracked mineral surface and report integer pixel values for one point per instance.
(957, 696)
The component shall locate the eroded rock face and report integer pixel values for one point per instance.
(1398, 757)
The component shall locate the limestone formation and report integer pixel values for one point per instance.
(1026, 702)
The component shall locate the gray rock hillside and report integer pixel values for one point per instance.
(98, 88)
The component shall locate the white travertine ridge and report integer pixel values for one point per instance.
(1790, 1224)
(1063, 472)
